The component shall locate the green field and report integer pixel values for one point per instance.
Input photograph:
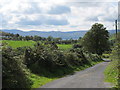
(64, 46)
(15, 44)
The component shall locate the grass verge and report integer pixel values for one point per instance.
(39, 80)
(111, 74)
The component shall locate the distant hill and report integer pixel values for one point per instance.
(63, 35)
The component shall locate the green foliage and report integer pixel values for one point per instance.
(37, 38)
(70, 41)
(46, 60)
(47, 57)
(11, 36)
(49, 39)
(112, 72)
(77, 46)
(96, 40)
(14, 72)
(105, 56)
(60, 63)
(112, 37)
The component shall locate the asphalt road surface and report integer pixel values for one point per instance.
(92, 77)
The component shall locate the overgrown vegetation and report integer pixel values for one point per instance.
(48, 59)
(45, 61)
(14, 72)
(112, 72)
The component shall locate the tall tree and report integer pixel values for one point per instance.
(37, 38)
(96, 39)
(50, 38)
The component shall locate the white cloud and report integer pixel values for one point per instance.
(94, 0)
(55, 15)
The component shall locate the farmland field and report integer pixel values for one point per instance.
(16, 44)
(64, 46)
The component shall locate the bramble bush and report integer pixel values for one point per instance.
(14, 72)
(46, 57)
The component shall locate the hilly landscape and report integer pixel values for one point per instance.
(55, 34)
(63, 44)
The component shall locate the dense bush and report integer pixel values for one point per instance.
(47, 57)
(77, 46)
(44, 56)
(14, 72)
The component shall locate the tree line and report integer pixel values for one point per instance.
(11, 36)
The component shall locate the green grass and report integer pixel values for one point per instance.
(111, 72)
(39, 80)
(64, 46)
(16, 44)
(112, 37)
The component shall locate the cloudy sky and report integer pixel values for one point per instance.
(57, 15)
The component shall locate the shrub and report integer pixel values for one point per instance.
(43, 58)
(14, 73)
(77, 46)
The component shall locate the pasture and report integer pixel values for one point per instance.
(64, 46)
(16, 44)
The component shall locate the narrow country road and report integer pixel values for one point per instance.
(92, 77)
